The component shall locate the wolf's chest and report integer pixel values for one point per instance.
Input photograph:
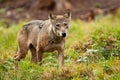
(52, 46)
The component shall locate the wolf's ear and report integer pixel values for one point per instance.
(68, 14)
(51, 15)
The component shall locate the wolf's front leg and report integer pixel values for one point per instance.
(60, 58)
(39, 54)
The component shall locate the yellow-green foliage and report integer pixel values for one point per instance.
(92, 53)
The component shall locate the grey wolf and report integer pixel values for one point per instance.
(43, 36)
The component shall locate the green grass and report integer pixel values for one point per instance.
(92, 53)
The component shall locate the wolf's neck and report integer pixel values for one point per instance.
(53, 36)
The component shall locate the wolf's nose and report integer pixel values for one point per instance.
(63, 34)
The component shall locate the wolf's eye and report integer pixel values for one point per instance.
(65, 24)
(57, 25)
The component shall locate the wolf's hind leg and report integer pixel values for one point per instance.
(20, 54)
(33, 53)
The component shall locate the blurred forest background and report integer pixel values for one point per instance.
(16, 10)
(92, 48)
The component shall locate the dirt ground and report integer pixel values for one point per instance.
(16, 10)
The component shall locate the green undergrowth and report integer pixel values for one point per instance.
(92, 52)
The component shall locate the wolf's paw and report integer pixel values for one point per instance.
(16, 57)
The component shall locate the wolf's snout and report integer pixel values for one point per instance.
(63, 34)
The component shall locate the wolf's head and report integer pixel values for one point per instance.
(60, 23)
